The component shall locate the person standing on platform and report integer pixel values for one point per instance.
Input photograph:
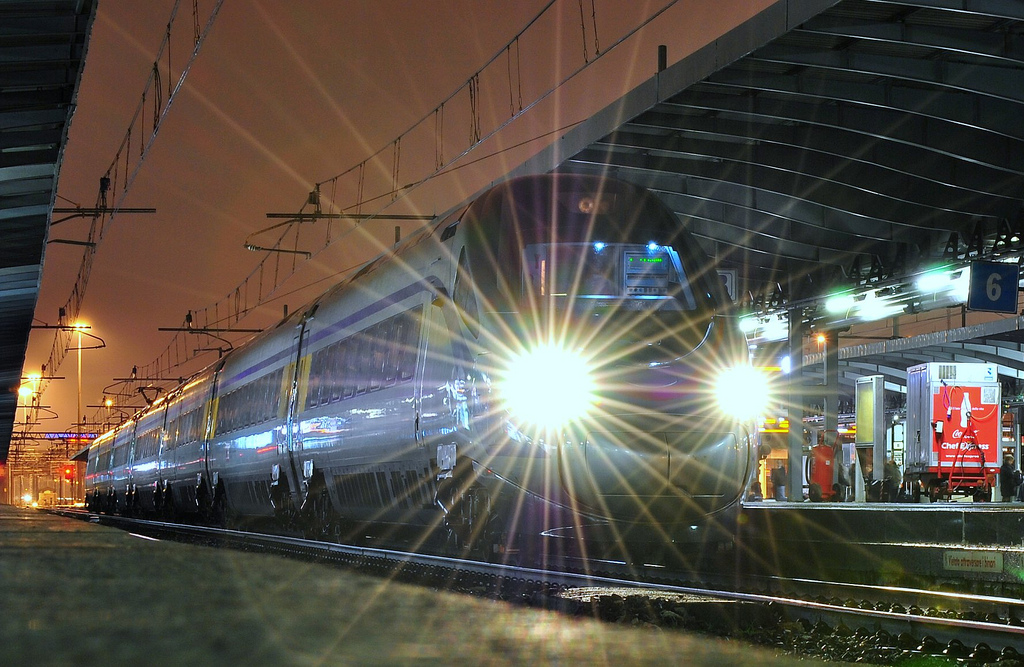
(842, 486)
(893, 480)
(779, 481)
(1008, 478)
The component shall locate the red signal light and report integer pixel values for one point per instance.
(69, 473)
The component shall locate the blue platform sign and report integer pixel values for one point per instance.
(993, 287)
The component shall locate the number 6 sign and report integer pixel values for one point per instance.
(993, 287)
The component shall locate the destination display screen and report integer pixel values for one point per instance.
(646, 273)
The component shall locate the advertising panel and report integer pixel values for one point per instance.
(966, 425)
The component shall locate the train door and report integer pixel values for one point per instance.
(442, 415)
(433, 418)
(194, 458)
(294, 467)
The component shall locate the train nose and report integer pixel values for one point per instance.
(635, 476)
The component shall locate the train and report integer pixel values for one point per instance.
(552, 363)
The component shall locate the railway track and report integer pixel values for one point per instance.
(832, 620)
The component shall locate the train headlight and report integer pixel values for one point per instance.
(547, 386)
(743, 392)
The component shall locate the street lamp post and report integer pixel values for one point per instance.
(80, 329)
(78, 413)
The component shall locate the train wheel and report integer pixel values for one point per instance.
(134, 504)
(168, 510)
(204, 504)
(219, 511)
(319, 520)
(466, 523)
(285, 515)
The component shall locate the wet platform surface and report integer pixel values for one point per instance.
(74, 593)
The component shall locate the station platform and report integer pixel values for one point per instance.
(84, 594)
(977, 547)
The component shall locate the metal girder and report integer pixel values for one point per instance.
(956, 41)
(987, 80)
(840, 144)
(847, 108)
(1000, 9)
(815, 160)
(888, 215)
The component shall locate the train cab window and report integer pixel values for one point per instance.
(598, 272)
(464, 296)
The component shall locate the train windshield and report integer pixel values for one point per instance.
(600, 275)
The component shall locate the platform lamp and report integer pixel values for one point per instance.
(28, 391)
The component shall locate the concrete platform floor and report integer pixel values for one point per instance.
(74, 593)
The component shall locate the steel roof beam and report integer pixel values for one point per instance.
(837, 142)
(1002, 83)
(834, 106)
(807, 160)
(991, 45)
(867, 208)
(1002, 9)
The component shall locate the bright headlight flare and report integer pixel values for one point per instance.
(743, 392)
(547, 386)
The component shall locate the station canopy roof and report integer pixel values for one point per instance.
(42, 52)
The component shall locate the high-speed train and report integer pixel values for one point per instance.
(549, 361)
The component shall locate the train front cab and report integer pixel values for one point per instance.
(595, 286)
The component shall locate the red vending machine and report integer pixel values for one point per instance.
(953, 429)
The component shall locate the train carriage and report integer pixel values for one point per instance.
(183, 454)
(97, 472)
(248, 457)
(144, 477)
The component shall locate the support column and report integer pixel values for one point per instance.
(830, 372)
(795, 407)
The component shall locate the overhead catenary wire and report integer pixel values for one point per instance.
(469, 92)
(101, 223)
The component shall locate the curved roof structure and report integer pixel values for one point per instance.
(42, 53)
